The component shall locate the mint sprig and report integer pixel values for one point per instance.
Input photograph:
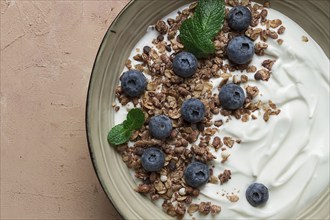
(197, 33)
(121, 133)
(135, 119)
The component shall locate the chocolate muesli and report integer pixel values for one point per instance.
(202, 114)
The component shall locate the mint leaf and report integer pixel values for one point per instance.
(122, 132)
(211, 15)
(119, 135)
(197, 33)
(198, 44)
(135, 119)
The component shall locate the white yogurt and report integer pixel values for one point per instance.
(289, 153)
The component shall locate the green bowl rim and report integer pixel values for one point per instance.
(91, 153)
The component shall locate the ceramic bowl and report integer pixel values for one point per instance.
(125, 31)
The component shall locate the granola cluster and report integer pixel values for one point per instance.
(165, 94)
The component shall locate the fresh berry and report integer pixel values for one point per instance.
(152, 159)
(257, 194)
(185, 64)
(231, 96)
(160, 126)
(196, 174)
(239, 18)
(240, 50)
(133, 83)
(193, 110)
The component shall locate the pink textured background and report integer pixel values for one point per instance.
(47, 52)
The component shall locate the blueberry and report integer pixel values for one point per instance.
(160, 126)
(152, 159)
(257, 194)
(239, 18)
(133, 83)
(185, 64)
(231, 96)
(193, 110)
(196, 174)
(240, 50)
